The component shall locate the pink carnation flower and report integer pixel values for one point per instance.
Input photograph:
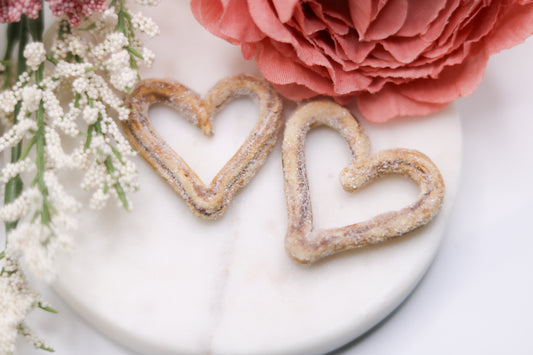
(12, 10)
(396, 57)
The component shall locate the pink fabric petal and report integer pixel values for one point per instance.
(285, 9)
(231, 21)
(295, 92)
(420, 13)
(348, 82)
(332, 23)
(390, 20)
(389, 103)
(266, 19)
(512, 29)
(283, 70)
(454, 82)
(361, 13)
(308, 25)
(405, 50)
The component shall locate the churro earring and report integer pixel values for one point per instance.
(303, 241)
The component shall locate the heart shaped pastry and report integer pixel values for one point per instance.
(306, 244)
(205, 201)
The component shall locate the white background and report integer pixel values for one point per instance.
(477, 296)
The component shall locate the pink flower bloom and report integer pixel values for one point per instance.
(76, 9)
(12, 10)
(396, 57)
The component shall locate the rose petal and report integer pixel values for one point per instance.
(389, 103)
(512, 29)
(453, 82)
(283, 70)
(405, 50)
(294, 91)
(285, 9)
(266, 19)
(361, 13)
(390, 20)
(308, 24)
(420, 13)
(231, 21)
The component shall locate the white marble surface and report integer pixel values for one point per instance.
(227, 286)
(476, 296)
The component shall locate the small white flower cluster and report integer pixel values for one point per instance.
(149, 2)
(78, 95)
(145, 24)
(35, 54)
(17, 299)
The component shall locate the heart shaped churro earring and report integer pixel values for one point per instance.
(205, 201)
(306, 244)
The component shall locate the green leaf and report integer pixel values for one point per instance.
(47, 309)
(134, 52)
(50, 350)
(51, 59)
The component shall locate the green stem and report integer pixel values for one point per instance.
(36, 27)
(39, 161)
(13, 187)
(12, 34)
(21, 32)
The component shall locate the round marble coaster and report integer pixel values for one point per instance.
(161, 281)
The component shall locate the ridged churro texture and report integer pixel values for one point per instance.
(307, 244)
(205, 201)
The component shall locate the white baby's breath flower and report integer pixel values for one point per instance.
(8, 101)
(31, 97)
(76, 46)
(109, 18)
(65, 69)
(80, 85)
(32, 338)
(145, 25)
(58, 196)
(148, 57)
(11, 170)
(124, 80)
(90, 114)
(59, 50)
(123, 113)
(118, 61)
(33, 244)
(113, 43)
(35, 54)
(149, 2)
(53, 109)
(16, 301)
(98, 200)
(54, 151)
(28, 200)
(16, 133)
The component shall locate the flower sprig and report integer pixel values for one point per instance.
(70, 91)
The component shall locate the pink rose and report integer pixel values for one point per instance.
(396, 57)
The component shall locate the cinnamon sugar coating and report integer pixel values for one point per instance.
(205, 201)
(303, 241)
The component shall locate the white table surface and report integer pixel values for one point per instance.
(476, 298)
